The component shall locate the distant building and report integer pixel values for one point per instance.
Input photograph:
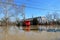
(40, 19)
(44, 20)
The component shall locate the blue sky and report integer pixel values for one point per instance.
(39, 7)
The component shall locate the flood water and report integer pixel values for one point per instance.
(15, 33)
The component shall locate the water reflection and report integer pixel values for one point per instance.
(14, 32)
(1, 30)
(49, 28)
(32, 28)
(54, 28)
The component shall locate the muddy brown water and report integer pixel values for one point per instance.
(15, 33)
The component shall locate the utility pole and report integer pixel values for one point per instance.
(32, 16)
(22, 11)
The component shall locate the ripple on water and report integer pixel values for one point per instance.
(1, 29)
(12, 30)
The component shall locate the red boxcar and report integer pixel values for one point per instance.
(27, 22)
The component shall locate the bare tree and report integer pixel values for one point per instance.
(55, 15)
(49, 17)
(9, 1)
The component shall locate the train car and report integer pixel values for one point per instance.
(27, 22)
